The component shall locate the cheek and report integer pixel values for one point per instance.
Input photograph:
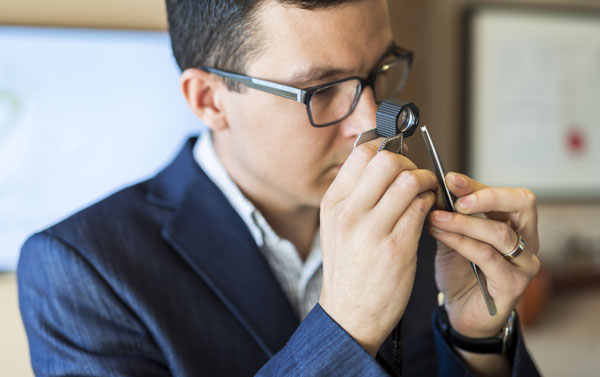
(298, 152)
(274, 141)
(282, 125)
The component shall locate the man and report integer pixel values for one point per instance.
(213, 267)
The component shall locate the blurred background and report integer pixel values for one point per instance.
(89, 102)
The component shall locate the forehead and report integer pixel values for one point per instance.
(350, 37)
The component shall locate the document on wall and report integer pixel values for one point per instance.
(534, 104)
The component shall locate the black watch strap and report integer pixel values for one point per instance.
(495, 345)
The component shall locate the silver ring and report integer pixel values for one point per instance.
(517, 250)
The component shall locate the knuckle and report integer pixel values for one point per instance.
(487, 194)
(332, 198)
(519, 283)
(454, 239)
(432, 177)
(505, 234)
(459, 221)
(487, 254)
(345, 214)
(422, 204)
(394, 240)
(530, 198)
(327, 201)
(536, 265)
(342, 224)
(408, 179)
(397, 250)
(407, 163)
(430, 197)
(365, 151)
(387, 160)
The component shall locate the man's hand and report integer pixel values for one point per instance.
(507, 213)
(371, 221)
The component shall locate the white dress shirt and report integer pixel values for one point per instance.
(300, 281)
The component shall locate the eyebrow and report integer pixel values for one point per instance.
(317, 73)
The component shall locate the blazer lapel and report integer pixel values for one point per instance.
(207, 232)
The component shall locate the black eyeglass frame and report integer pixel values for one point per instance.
(304, 95)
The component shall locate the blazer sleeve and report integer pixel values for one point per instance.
(75, 323)
(320, 347)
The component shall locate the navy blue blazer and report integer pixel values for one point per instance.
(164, 279)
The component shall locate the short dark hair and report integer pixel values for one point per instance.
(219, 33)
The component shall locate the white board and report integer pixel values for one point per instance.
(82, 114)
(535, 100)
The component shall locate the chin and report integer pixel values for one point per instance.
(313, 196)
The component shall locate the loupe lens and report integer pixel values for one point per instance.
(406, 119)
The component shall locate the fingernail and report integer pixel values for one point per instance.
(466, 201)
(441, 216)
(436, 230)
(459, 180)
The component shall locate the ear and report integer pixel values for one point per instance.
(202, 92)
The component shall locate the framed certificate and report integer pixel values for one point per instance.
(534, 99)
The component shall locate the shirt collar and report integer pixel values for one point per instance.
(264, 236)
(206, 156)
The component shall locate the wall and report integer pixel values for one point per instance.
(126, 14)
(434, 30)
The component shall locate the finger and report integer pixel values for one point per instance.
(494, 266)
(350, 172)
(495, 233)
(515, 204)
(503, 277)
(412, 219)
(401, 193)
(496, 200)
(377, 177)
(460, 184)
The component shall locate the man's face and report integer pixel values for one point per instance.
(269, 147)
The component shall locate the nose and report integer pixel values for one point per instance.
(363, 116)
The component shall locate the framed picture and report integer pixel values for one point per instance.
(533, 109)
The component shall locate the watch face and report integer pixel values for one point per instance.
(508, 332)
(499, 344)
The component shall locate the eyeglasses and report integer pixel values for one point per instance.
(332, 102)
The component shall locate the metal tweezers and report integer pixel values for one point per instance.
(449, 200)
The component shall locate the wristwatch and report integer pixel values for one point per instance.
(500, 344)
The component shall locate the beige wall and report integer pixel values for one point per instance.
(126, 14)
(14, 355)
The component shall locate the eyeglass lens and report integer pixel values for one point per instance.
(391, 79)
(333, 103)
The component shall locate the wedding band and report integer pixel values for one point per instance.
(518, 249)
